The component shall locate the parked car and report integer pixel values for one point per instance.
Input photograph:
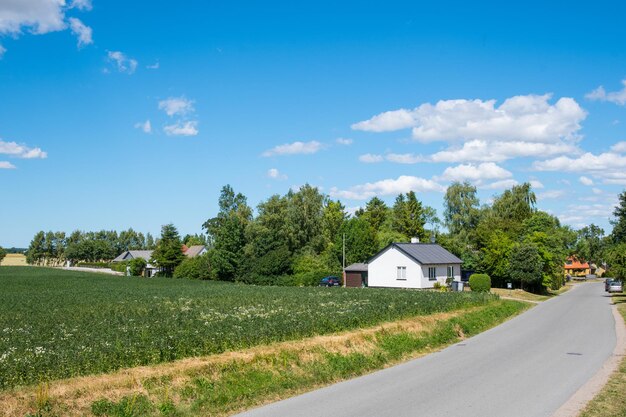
(616, 286)
(607, 284)
(330, 281)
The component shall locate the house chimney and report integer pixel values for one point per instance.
(415, 240)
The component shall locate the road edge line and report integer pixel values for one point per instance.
(577, 402)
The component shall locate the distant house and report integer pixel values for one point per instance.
(151, 269)
(355, 275)
(412, 265)
(577, 268)
(194, 251)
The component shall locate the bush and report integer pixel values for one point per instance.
(480, 282)
(119, 266)
(137, 266)
(306, 279)
(93, 264)
(194, 268)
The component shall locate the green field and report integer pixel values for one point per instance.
(57, 324)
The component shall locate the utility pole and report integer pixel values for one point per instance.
(344, 259)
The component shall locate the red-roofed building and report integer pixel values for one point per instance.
(576, 268)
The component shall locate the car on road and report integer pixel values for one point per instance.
(607, 284)
(616, 286)
(331, 281)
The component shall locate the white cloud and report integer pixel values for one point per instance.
(82, 4)
(36, 16)
(146, 126)
(405, 158)
(344, 141)
(82, 32)
(6, 165)
(294, 148)
(276, 174)
(41, 17)
(182, 128)
(498, 185)
(585, 180)
(123, 63)
(21, 151)
(475, 173)
(2, 51)
(617, 97)
(176, 106)
(536, 184)
(609, 166)
(528, 118)
(387, 121)
(619, 147)
(154, 66)
(370, 158)
(552, 194)
(597, 191)
(498, 151)
(402, 184)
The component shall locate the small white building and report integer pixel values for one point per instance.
(413, 265)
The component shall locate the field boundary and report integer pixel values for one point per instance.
(372, 348)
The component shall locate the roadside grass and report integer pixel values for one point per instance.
(519, 294)
(231, 382)
(14, 259)
(611, 401)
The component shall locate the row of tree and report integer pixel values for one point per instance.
(304, 231)
(55, 248)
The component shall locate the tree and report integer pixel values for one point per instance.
(361, 241)
(496, 257)
(333, 216)
(36, 251)
(616, 257)
(150, 244)
(226, 232)
(3, 253)
(168, 253)
(195, 240)
(619, 222)
(408, 216)
(137, 266)
(461, 207)
(526, 266)
(376, 213)
(305, 211)
(513, 207)
(590, 243)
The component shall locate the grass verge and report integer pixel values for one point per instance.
(223, 384)
(611, 401)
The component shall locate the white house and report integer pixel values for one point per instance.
(150, 271)
(413, 265)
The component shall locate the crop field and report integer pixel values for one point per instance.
(14, 259)
(57, 324)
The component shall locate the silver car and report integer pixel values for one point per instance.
(615, 286)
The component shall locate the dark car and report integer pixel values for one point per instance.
(607, 284)
(331, 281)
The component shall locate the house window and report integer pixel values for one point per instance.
(401, 273)
(450, 272)
(432, 273)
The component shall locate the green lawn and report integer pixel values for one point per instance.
(57, 324)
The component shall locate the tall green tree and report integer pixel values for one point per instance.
(3, 253)
(526, 266)
(36, 250)
(408, 216)
(361, 241)
(376, 213)
(333, 216)
(168, 253)
(619, 221)
(305, 212)
(461, 208)
(226, 232)
(512, 208)
(590, 245)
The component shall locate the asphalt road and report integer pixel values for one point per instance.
(528, 366)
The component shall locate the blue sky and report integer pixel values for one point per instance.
(358, 98)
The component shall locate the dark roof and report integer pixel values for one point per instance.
(357, 268)
(132, 254)
(425, 253)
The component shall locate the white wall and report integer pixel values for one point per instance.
(383, 271)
